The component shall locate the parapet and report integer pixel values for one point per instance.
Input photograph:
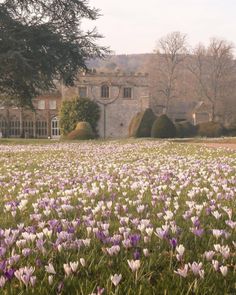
(94, 72)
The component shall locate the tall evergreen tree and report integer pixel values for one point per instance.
(41, 41)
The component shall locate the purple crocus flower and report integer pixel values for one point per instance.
(135, 238)
(70, 230)
(53, 223)
(40, 244)
(2, 265)
(173, 242)
(30, 229)
(136, 255)
(9, 274)
(2, 251)
(208, 211)
(198, 231)
(101, 236)
(196, 223)
(59, 228)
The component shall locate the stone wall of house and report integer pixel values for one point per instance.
(116, 111)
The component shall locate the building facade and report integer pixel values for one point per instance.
(120, 96)
(43, 122)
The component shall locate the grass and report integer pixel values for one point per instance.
(21, 141)
(63, 201)
(224, 140)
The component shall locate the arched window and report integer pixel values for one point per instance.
(105, 91)
(55, 127)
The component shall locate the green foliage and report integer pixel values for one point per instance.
(230, 132)
(78, 110)
(210, 129)
(163, 127)
(82, 131)
(141, 124)
(42, 42)
(231, 129)
(68, 116)
(185, 129)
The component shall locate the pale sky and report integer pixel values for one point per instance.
(134, 26)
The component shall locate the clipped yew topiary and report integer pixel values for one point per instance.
(133, 126)
(141, 124)
(163, 127)
(82, 131)
(185, 129)
(230, 130)
(210, 129)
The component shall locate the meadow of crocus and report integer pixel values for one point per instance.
(134, 217)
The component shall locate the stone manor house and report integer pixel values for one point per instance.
(120, 96)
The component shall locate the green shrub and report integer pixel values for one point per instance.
(231, 129)
(82, 131)
(210, 129)
(185, 129)
(68, 116)
(141, 124)
(163, 127)
(230, 132)
(77, 110)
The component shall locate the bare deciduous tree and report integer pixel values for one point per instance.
(213, 68)
(171, 52)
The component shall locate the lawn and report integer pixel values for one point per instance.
(117, 217)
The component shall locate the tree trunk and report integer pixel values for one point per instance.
(212, 112)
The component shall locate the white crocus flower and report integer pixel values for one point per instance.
(116, 279)
(145, 252)
(50, 269)
(169, 215)
(134, 265)
(196, 268)
(82, 262)
(216, 214)
(215, 264)
(149, 231)
(74, 266)
(224, 270)
(217, 233)
(180, 249)
(2, 282)
(50, 280)
(209, 255)
(183, 272)
(67, 269)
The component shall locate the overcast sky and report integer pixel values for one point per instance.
(134, 26)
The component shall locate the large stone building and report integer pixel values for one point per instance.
(120, 96)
